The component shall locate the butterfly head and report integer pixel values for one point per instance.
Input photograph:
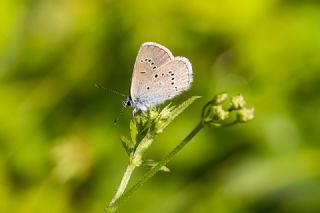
(127, 102)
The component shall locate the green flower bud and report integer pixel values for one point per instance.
(165, 113)
(245, 114)
(219, 113)
(153, 114)
(220, 98)
(141, 120)
(237, 102)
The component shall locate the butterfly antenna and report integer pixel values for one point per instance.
(115, 121)
(109, 90)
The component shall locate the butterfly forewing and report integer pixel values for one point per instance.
(150, 57)
(158, 76)
(166, 82)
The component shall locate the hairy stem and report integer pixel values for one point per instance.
(155, 169)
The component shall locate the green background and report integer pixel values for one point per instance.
(59, 149)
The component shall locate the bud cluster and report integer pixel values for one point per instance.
(220, 109)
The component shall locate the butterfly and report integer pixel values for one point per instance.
(157, 77)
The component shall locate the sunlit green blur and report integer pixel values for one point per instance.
(61, 153)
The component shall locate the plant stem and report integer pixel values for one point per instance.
(123, 184)
(114, 204)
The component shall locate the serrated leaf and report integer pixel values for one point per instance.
(184, 106)
(175, 111)
(127, 144)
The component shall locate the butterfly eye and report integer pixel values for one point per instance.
(127, 102)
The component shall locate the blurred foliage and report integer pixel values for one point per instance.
(59, 150)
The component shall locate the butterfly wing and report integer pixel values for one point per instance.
(164, 83)
(150, 57)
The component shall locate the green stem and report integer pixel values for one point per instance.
(217, 125)
(155, 169)
(123, 184)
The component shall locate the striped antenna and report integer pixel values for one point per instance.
(115, 122)
(110, 90)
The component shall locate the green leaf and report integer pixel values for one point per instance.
(133, 132)
(170, 113)
(179, 109)
(127, 144)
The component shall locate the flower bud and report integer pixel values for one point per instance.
(220, 98)
(141, 119)
(153, 114)
(245, 114)
(165, 113)
(219, 113)
(237, 102)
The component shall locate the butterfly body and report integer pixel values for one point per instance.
(157, 76)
